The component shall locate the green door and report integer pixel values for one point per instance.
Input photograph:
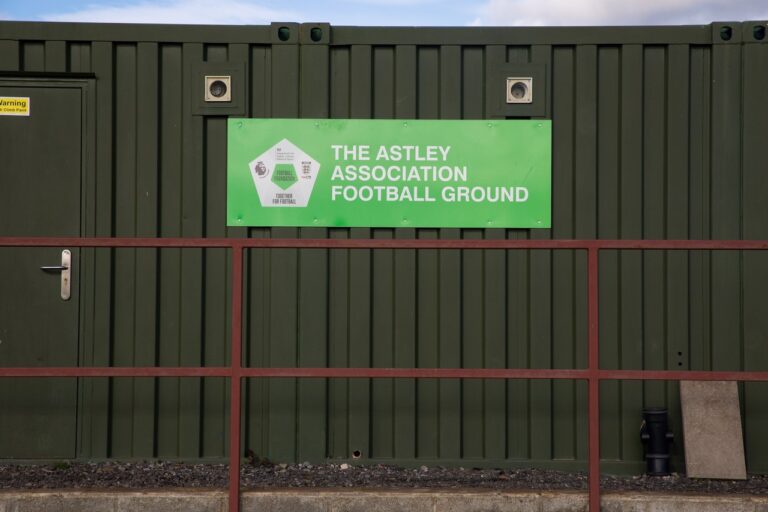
(40, 173)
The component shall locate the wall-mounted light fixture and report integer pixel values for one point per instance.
(218, 88)
(520, 89)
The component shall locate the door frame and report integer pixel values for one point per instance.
(84, 268)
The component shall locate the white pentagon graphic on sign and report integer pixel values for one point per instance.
(284, 175)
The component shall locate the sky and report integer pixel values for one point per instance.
(391, 12)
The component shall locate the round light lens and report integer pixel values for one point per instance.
(217, 88)
(519, 90)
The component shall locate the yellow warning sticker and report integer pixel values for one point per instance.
(14, 106)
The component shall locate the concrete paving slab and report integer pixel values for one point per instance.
(380, 502)
(180, 501)
(714, 446)
(652, 502)
(63, 501)
(283, 502)
(486, 502)
(564, 501)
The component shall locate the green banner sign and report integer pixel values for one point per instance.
(389, 173)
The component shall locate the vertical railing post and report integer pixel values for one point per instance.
(593, 464)
(235, 377)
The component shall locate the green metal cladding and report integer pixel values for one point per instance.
(658, 133)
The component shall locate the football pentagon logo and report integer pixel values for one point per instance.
(284, 175)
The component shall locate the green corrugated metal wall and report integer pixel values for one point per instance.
(658, 133)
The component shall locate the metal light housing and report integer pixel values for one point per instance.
(520, 89)
(218, 88)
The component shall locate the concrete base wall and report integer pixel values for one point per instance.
(366, 501)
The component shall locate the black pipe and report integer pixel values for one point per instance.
(655, 435)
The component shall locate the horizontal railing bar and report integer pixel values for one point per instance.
(745, 376)
(417, 373)
(127, 371)
(310, 243)
(674, 245)
(224, 243)
(444, 373)
(420, 373)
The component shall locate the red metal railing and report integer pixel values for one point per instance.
(236, 372)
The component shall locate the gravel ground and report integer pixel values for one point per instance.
(264, 475)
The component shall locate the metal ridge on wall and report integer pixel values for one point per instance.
(741, 31)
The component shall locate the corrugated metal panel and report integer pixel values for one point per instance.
(658, 133)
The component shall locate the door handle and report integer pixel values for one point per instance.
(65, 269)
